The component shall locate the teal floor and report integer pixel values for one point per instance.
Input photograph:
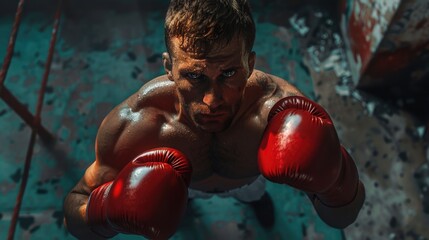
(104, 54)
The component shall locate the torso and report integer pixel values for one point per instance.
(220, 161)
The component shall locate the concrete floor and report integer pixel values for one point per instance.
(106, 52)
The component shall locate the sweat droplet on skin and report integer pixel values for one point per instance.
(127, 114)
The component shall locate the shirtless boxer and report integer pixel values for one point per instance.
(212, 125)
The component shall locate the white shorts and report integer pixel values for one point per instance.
(247, 193)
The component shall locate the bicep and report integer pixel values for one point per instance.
(102, 169)
(110, 137)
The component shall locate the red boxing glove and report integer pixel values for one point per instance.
(148, 197)
(300, 147)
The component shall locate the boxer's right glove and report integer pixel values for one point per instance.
(148, 197)
(300, 147)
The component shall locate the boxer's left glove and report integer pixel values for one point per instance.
(300, 147)
(148, 197)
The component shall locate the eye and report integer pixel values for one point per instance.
(193, 76)
(228, 73)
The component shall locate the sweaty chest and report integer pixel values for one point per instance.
(234, 157)
(228, 157)
(231, 154)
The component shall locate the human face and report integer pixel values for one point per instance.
(210, 87)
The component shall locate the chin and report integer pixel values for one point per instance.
(214, 127)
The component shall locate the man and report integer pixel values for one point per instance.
(212, 125)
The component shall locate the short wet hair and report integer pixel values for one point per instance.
(202, 25)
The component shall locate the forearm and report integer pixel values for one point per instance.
(75, 216)
(342, 216)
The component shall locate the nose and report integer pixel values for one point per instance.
(213, 98)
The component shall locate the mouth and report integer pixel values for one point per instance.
(213, 122)
(212, 116)
(218, 116)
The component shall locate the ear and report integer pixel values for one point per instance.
(166, 61)
(251, 62)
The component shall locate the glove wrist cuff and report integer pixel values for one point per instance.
(345, 188)
(340, 216)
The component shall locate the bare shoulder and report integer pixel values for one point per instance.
(269, 89)
(273, 86)
(132, 125)
(158, 93)
(128, 130)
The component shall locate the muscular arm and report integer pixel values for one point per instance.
(127, 131)
(100, 171)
